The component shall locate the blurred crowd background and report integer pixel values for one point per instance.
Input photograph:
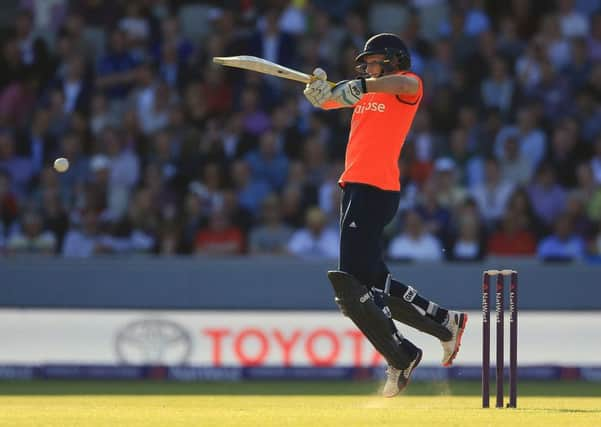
(171, 154)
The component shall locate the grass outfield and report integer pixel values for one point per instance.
(315, 404)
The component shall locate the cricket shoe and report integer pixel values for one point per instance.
(398, 379)
(456, 324)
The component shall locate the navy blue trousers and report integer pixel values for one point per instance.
(364, 212)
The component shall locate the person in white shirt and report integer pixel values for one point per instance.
(414, 243)
(315, 241)
(31, 238)
(492, 195)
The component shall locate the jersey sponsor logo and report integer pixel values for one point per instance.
(376, 107)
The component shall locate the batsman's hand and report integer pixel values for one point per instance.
(318, 91)
(349, 92)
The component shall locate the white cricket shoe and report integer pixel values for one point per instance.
(398, 379)
(456, 324)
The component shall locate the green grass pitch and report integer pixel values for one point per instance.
(283, 403)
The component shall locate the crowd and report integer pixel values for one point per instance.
(171, 154)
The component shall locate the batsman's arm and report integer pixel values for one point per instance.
(395, 84)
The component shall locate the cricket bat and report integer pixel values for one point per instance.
(260, 65)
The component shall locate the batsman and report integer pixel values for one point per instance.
(385, 99)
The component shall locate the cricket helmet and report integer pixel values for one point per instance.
(391, 46)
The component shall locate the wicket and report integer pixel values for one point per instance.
(500, 330)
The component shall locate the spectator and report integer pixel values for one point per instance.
(576, 210)
(251, 191)
(564, 154)
(476, 18)
(31, 237)
(79, 165)
(515, 167)
(26, 38)
(596, 160)
(55, 217)
(135, 25)
(101, 116)
(314, 240)
(217, 90)
(553, 91)
(450, 194)
(588, 115)
(315, 160)
(256, 121)
(528, 66)
(468, 245)
(589, 190)
(579, 68)
(547, 195)
(138, 229)
(192, 219)
(171, 35)
(571, 21)
(596, 246)
(492, 195)
(498, 89)
(594, 38)
(40, 145)
(272, 235)
(531, 139)
(329, 36)
(75, 85)
(116, 70)
(424, 141)
(19, 168)
(563, 244)
(59, 117)
(558, 48)
(435, 218)
(2, 239)
(520, 205)
(169, 241)
(466, 165)
(510, 44)
(268, 163)
(512, 238)
(414, 243)
(292, 207)
(152, 99)
(88, 239)
(271, 43)
(124, 170)
(220, 237)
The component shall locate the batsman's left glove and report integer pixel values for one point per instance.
(349, 92)
(318, 91)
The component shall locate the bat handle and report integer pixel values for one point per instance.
(312, 78)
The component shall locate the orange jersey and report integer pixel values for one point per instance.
(379, 126)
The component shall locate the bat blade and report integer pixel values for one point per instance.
(263, 66)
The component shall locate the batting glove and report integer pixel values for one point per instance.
(349, 92)
(318, 91)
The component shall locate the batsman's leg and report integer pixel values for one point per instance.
(405, 306)
(357, 303)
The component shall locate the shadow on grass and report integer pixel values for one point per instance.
(564, 410)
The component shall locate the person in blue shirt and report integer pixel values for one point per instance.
(563, 244)
(117, 70)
